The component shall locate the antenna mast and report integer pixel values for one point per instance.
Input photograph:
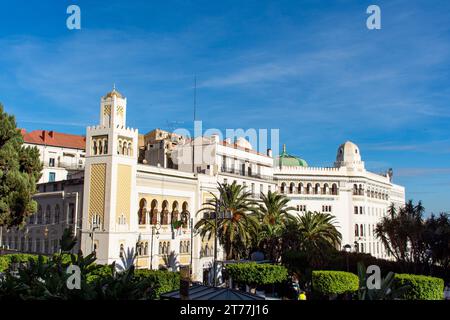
(193, 128)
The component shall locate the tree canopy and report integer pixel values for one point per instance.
(20, 169)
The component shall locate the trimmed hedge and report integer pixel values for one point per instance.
(252, 273)
(7, 259)
(334, 282)
(420, 287)
(160, 281)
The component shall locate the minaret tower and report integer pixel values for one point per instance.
(110, 182)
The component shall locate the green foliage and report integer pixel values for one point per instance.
(20, 169)
(315, 234)
(256, 274)
(236, 226)
(158, 281)
(334, 282)
(420, 287)
(68, 240)
(386, 290)
(7, 260)
(273, 214)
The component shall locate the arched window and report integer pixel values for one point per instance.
(283, 187)
(185, 215)
(165, 213)
(334, 189)
(48, 214)
(300, 188)
(122, 251)
(94, 147)
(317, 189)
(325, 189)
(142, 213)
(146, 249)
(39, 215)
(291, 187)
(100, 147)
(130, 151)
(355, 189)
(361, 230)
(309, 188)
(57, 214)
(356, 230)
(154, 212)
(105, 146)
(175, 213)
(119, 147)
(360, 190)
(160, 251)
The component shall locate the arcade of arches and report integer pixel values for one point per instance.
(153, 211)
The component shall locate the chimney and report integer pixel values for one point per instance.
(269, 152)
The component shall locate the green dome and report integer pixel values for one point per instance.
(285, 159)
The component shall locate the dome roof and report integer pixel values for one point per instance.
(114, 92)
(348, 152)
(285, 159)
(348, 155)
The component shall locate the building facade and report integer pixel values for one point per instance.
(140, 194)
(61, 153)
(357, 198)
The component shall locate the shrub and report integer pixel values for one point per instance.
(159, 281)
(334, 282)
(252, 273)
(7, 259)
(420, 287)
(98, 272)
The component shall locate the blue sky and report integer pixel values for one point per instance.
(310, 68)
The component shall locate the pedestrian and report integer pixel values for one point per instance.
(302, 295)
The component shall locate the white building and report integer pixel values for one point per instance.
(60, 153)
(142, 193)
(356, 197)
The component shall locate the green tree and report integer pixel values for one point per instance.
(402, 231)
(313, 233)
(20, 169)
(236, 225)
(437, 239)
(273, 215)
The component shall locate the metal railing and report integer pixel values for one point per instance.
(244, 173)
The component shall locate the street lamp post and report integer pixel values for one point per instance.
(347, 249)
(157, 227)
(224, 215)
(216, 213)
(191, 243)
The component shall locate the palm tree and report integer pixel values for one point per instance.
(236, 226)
(273, 216)
(402, 232)
(171, 261)
(317, 234)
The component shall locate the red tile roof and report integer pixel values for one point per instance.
(52, 138)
